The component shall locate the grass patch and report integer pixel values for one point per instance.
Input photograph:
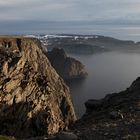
(6, 138)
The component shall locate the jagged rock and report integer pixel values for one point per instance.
(93, 104)
(34, 100)
(117, 116)
(67, 67)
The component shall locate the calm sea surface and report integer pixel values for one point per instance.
(107, 73)
(124, 32)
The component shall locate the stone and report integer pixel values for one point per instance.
(34, 100)
(93, 104)
(66, 136)
(115, 115)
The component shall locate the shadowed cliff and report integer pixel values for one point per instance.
(116, 116)
(67, 67)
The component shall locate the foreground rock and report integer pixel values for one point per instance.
(64, 135)
(33, 98)
(67, 67)
(115, 117)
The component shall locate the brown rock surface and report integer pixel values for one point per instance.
(34, 100)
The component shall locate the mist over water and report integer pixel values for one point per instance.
(108, 72)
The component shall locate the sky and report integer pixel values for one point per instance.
(36, 14)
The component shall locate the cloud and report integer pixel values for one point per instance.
(33, 9)
(32, 14)
(64, 10)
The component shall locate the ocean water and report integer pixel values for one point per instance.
(124, 31)
(108, 72)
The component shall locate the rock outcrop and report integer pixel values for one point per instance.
(34, 100)
(67, 67)
(116, 117)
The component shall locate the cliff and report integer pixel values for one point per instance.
(116, 116)
(87, 44)
(34, 100)
(67, 67)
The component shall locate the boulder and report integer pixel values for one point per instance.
(66, 136)
(116, 115)
(93, 104)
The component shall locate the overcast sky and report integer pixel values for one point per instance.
(67, 10)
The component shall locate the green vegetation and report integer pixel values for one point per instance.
(6, 138)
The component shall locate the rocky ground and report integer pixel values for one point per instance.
(115, 117)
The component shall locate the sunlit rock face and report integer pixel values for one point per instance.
(34, 100)
(67, 67)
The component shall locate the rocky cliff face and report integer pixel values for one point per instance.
(34, 100)
(116, 117)
(67, 67)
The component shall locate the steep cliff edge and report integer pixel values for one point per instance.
(67, 67)
(34, 100)
(116, 117)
